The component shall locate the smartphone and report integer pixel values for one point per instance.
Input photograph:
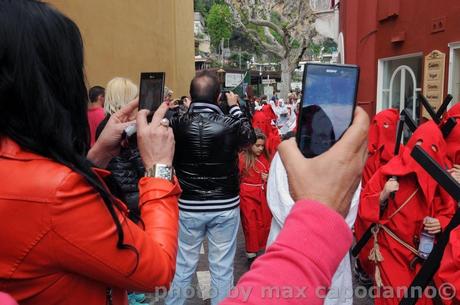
(151, 90)
(327, 106)
(223, 103)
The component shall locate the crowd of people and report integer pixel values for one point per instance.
(95, 211)
(222, 166)
(409, 209)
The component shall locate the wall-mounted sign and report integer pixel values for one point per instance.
(233, 79)
(268, 81)
(433, 80)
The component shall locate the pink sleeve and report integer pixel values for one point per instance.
(5, 299)
(298, 267)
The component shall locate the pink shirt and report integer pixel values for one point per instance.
(298, 267)
(95, 116)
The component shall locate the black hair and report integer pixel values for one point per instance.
(95, 92)
(43, 97)
(205, 86)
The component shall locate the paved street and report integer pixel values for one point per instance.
(201, 281)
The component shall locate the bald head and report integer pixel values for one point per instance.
(205, 86)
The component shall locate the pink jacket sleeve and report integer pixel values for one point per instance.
(298, 267)
(5, 299)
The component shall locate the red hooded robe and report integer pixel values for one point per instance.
(255, 214)
(423, 197)
(381, 143)
(449, 271)
(263, 120)
(453, 139)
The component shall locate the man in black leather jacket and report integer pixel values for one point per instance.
(206, 164)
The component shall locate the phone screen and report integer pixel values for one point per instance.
(328, 103)
(151, 90)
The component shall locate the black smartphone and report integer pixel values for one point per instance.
(223, 103)
(328, 104)
(151, 90)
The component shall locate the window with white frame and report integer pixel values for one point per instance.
(399, 82)
(454, 72)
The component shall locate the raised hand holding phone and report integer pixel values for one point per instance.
(327, 106)
(332, 177)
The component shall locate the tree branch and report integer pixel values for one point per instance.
(272, 39)
(305, 15)
(268, 24)
(296, 20)
(270, 48)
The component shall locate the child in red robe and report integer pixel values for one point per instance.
(395, 242)
(255, 213)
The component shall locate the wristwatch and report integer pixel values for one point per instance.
(162, 171)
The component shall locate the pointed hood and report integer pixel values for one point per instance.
(453, 139)
(382, 133)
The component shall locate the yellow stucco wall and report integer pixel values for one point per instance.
(126, 37)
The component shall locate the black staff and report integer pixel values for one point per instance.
(446, 129)
(429, 109)
(443, 106)
(410, 123)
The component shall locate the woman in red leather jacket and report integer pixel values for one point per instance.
(65, 238)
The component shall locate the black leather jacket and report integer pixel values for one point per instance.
(206, 156)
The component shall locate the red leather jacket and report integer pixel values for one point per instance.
(58, 241)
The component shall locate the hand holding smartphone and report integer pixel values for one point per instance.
(327, 106)
(223, 102)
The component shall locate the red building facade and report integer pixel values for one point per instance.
(389, 40)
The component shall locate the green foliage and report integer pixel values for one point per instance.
(234, 60)
(203, 6)
(329, 45)
(326, 47)
(295, 44)
(241, 40)
(199, 6)
(314, 49)
(219, 23)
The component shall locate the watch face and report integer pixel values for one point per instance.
(164, 172)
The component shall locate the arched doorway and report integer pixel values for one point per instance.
(399, 81)
(407, 98)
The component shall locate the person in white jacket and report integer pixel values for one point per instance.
(280, 203)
